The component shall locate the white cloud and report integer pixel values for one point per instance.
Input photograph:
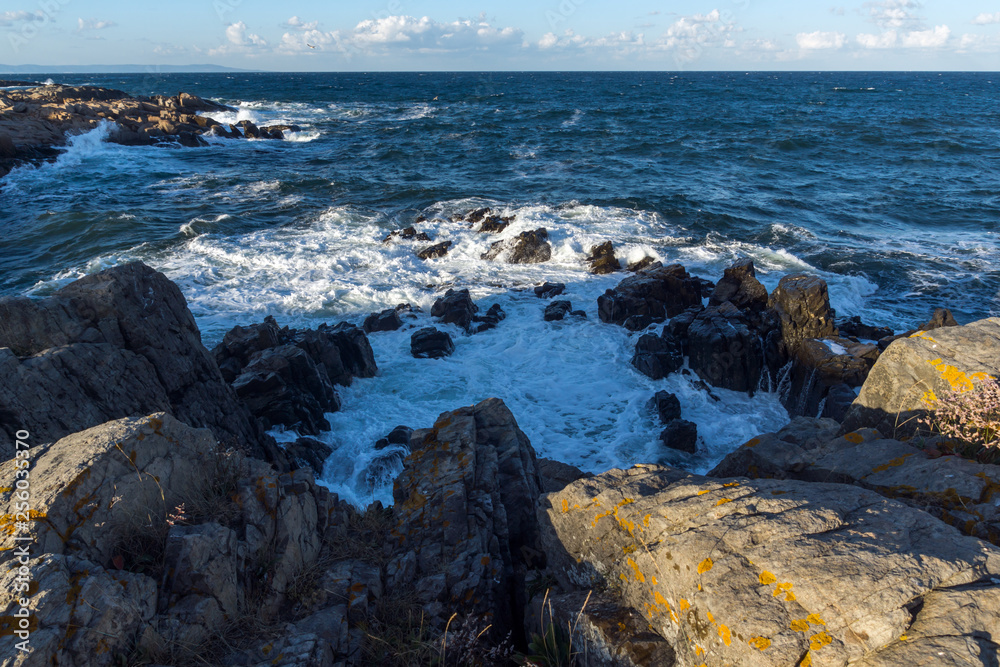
(548, 40)
(893, 14)
(10, 18)
(296, 22)
(886, 40)
(927, 39)
(820, 40)
(83, 25)
(239, 40)
(987, 19)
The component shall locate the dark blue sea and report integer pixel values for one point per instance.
(885, 184)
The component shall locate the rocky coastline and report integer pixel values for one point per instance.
(165, 526)
(37, 120)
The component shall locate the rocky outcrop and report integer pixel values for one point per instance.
(407, 234)
(681, 435)
(802, 303)
(456, 307)
(549, 290)
(725, 350)
(530, 247)
(740, 287)
(602, 259)
(776, 572)
(819, 365)
(652, 295)
(557, 310)
(914, 373)
(466, 528)
(431, 343)
(657, 356)
(436, 251)
(118, 343)
(386, 320)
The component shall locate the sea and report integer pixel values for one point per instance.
(887, 185)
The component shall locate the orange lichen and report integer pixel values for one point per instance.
(818, 641)
(704, 491)
(815, 619)
(726, 635)
(705, 565)
(854, 438)
(565, 506)
(635, 568)
(760, 643)
(894, 463)
(753, 442)
(799, 625)
(782, 588)
(723, 501)
(807, 661)
(958, 380)
(767, 578)
(684, 604)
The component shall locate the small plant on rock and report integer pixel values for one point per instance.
(972, 418)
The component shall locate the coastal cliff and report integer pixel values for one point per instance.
(166, 526)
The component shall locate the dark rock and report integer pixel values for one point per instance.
(309, 452)
(602, 259)
(436, 251)
(431, 343)
(491, 319)
(549, 290)
(942, 318)
(495, 224)
(114, 344)
(802, 304)
(724, 351)
(341, 346)
(656, 293)
(555, 475)
(643, 263)
(678, 326)
(557, 310)
(526, 248)
(657, 356)
(818, 365)
(680, 435)
(399, 436)
(582, 314)
(473, 216)
(283, 386)
(740, 287)
(838, 401)
(455, 307)
(387, 320)
(665, 405)
(853, 326)
(250, 131)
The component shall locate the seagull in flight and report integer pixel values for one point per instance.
(310, 45)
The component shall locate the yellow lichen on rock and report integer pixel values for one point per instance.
(760, 643)
(818, 641)
(767, 578)
(705, 565)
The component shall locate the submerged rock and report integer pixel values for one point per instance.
(436, 251)
(429, 343)
(548, 290)
(530, 247)
(557, 310)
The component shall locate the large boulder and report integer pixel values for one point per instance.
(657, 356)
(740, 287)
(530, 247)
(602, 259)
(431, 343)
(776, 572)
(802, 303)
(724, 350)
(914, 373)
(466, 527)
(455, 307)
(652, 295)
(114, 344)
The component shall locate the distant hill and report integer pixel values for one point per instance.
(114, 69)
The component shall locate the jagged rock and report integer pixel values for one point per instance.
(942, 317)
(602, 259)
(436, 251)
(740, 287)
(914, 373)
(408, 234)
(853, 326)
(455, 307)
(557, 310)
(650, 296)
(250, 131)
(554, 475)
(284, 386)
(387, 320)
(548, 290)
(665, 405)
(429, 343)
(398, 436)
(466, 528)
(495, 224)
(724, 351)
(491, 319)
(473, 216)
(680, 435)
(309, 452)
(118, 343)
(769, 572)
(605, 633)
(837, 402)
(820, 364)
(644, 263)
(81, 614)
(802, 304)
(657, 356)
(530, 247)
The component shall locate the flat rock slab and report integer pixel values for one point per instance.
(777, 572)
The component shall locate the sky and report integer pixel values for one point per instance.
(408, 35)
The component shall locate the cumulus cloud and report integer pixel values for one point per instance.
(299, 24)
(894, 14)
(886, 40)
(820, 40)
(239, 40)
(10, 18)
(934, 38)
(83, 25)
(987, 19)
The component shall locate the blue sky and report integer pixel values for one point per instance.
(510, 35)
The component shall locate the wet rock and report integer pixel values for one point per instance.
(436, 251)
(555, 475)
(853, 326)
(117, 343)
(665, 405)
(309, 452)
(491, 319)
(657, 356)
(429, 343)
(466, 527)
(819, 364)
(455, 307)
(768, 572)
(408, 234)
(644, 263)
(740, 287)
(680, 435)
(495, 224)
(283, 386)
(387, 320)
(530, 247)
(912, 374)
(548, 290)
(473, 216)
(399, 436)
(838, 401)
(802, 304)
(602, 259)
(724, 351)
(557, 310)
(653, 295)
(250, 131)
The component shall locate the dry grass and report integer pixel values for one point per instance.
(367, 535)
